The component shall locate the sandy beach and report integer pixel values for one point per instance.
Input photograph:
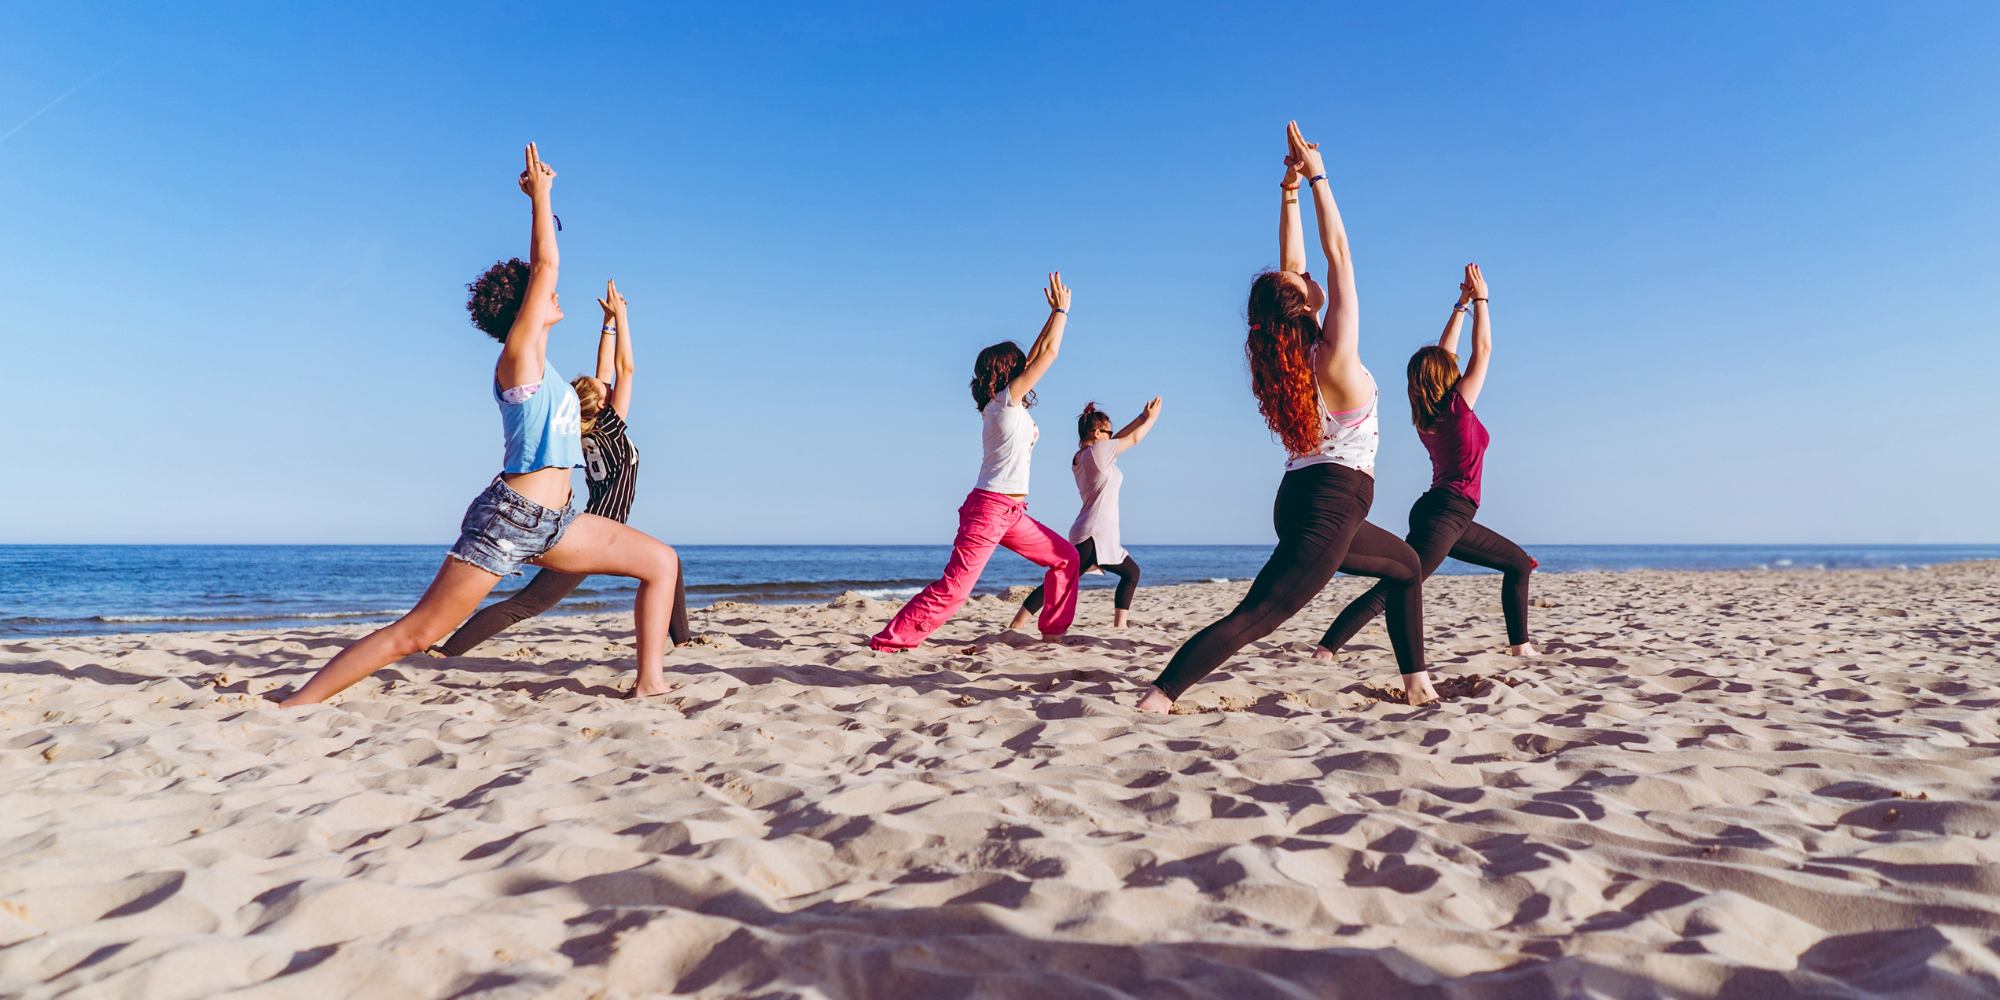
(1713, 785)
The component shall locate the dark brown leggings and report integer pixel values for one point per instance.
(545, 591)
(1441, 525)
(1322, 519)
(1127, 573)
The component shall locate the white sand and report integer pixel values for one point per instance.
(1717, 785)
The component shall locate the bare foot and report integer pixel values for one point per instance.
(644, 690)
(1322, 653)
(1417, 689)
(1055, 637)
(434, 653)
(1021, 618)
(1156, 702)
(1524, 649)
(1118, 618)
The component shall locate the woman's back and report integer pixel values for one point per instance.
(1007, 440)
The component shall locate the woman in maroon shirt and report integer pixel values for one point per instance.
(1441, 520)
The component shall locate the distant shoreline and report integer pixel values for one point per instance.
(617, 600)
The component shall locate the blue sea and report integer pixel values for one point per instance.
(96, 589)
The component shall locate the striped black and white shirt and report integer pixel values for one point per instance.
(610, 467)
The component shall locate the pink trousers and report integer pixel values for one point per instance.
(987, 520)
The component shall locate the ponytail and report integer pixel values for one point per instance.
(1090, 421)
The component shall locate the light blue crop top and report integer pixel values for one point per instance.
(543, 430)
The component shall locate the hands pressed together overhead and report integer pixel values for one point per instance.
(538, 177)
(613, 305)
(1057, 293)
(1474, 285)
(1304, 158)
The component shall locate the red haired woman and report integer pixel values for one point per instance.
(1317, 397)
(996, 512)
(1441, 520)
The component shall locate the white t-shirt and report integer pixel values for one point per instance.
(1097, 480)
(1009, 440)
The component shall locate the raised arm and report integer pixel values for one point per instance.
(1449, 339)
(1047, 343)
(615, 316)
(1291, 235)
(1340, 369)
(1474, 378)
(523, 357)
(607, 339)
(1135, 431)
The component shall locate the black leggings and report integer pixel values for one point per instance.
(1441, 525)
(1127, 573)
(1322, 520)
(542, 593)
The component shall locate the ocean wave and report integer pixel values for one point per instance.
(890, 593)
(134, 619)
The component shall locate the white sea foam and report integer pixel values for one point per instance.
(249, 618)
(1217, 579)
(890, 593)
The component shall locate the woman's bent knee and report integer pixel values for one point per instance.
(662, 562)
(410, 641)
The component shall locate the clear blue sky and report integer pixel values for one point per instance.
(1742, 256)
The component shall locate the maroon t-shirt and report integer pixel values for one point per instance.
(1458, 449)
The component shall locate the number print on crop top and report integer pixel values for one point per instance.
(610, 467)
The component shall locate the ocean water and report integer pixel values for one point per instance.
(98, 589)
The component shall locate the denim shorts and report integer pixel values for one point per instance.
(503, 529)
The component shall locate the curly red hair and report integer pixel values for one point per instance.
(1279, 348)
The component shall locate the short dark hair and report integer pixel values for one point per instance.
(995, 367)
(496, 297)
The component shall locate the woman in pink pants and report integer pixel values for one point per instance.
(996, 512)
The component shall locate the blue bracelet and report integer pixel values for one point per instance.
(1065, 312)
(1316, 180)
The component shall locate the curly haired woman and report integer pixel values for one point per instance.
(524, 516)
(996, 512)
(1317, 397)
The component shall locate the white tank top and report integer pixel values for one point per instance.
(1009, 442)
(1348, 438)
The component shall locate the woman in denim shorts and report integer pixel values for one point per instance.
(524, 517)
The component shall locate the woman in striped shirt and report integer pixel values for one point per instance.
(611, 472)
